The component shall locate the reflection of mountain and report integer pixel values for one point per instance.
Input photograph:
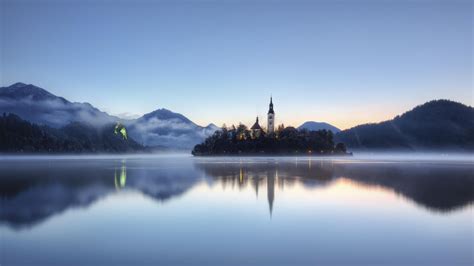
(32, 191)
(436, 187)
(440, 188)
(32, 194)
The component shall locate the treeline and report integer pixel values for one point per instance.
(20, 136)
(285, 141)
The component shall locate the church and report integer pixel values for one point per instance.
(256, 129)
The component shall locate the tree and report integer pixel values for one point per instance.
(340, 147)
(279, 130)
(242, 132)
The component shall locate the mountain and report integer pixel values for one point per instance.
(315, 126)
(161, 128)
(439, 124)
(212, 127)
(168, 129)
(44, 108)
(18, 135)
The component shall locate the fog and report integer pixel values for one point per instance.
(375, 157)
(414, 156)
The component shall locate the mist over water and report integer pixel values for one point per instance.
(357, 156)
(176, 209)
(416, 156)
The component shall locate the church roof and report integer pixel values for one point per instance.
(256, 125)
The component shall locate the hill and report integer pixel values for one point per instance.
(439, 124)
(315, 126)
(163, 127)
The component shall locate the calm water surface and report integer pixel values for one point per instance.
(180, 210)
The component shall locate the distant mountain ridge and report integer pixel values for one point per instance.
(315, 126)
(438, 124)
(160, 128)
(21, 90)
(42, 107)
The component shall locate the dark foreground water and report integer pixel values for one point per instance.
(179, 210)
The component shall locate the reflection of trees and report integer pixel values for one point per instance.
(436, 187)
(35, 192)
(32, 193)
(120, 179)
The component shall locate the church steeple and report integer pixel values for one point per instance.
(270, 110)
(271, 118)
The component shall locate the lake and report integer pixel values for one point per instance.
(180, 210)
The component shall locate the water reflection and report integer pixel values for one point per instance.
(36, 190)
(120, 179)
(437, 187)
(33, 191)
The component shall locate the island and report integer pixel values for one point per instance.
(283, 140)
(289, 141)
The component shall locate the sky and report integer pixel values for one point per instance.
(341, 62)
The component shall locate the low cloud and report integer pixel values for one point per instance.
(55, 112)
(127, 116)
(170, 132)
(173, 132)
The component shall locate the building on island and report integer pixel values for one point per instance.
(256, 130)
(271, 119)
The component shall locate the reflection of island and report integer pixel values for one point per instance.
(266, 175)
(438, 188)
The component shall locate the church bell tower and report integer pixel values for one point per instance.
(271, 119)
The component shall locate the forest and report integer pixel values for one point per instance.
(20, 136)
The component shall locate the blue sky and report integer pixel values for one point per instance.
(342, 62)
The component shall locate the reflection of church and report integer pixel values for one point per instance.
(270, 178)
(257, 130)
(243, 177)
